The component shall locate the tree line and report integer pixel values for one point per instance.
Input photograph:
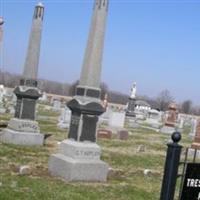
(160, 102)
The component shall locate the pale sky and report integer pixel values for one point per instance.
(153, 43)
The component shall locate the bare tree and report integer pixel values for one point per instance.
(186, 106)
(164, 99)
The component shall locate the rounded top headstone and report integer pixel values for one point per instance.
(172, 106)
(176, 137)
(1, 21)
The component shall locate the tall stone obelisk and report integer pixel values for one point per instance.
(1, 29)
(23, 129)
(86, 105)
(79, 155)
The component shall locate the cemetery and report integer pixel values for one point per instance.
(82, 146)
(126, 178)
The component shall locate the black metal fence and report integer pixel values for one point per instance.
(173, 164)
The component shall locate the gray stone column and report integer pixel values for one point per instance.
(91, 70)
(23, 129)
(86, 106)
(33, 52)
(28, 93)
(1, 29)
(78, 158)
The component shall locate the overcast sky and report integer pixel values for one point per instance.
(155, 43)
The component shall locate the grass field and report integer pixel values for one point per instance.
(126, 182)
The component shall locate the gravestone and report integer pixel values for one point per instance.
(23, 129)
(170, 122)
(65, 118)
(44, 97)
(193, 128)
(154, 118)
(117, 120)
(77, 161)
(180, 123)
(56, 105)
(78, 158)
(104, 118)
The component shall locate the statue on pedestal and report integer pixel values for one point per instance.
(133, 91)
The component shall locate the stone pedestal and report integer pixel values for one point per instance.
(131, 108)
(22, 132)
(78, 161)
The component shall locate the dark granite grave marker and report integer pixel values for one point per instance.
(191, 187)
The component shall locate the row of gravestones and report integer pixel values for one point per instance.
(111, 118)
(113, 122)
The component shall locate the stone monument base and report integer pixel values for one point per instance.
(22, 132)
(167, 129)
(78, 161)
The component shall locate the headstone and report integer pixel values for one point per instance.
(117, 120)
(180, 123)
(65, 118)
(122, 134)
(22, 132)
(43, 98)
(56, 105)
(132, 122)
(193, 128)
(79, 156)
(170, 122)
(154, 118)
(104, 134)
(78, 161)
(104, 118)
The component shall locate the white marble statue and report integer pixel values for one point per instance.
(133, 91)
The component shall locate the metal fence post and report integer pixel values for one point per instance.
(171, 168)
